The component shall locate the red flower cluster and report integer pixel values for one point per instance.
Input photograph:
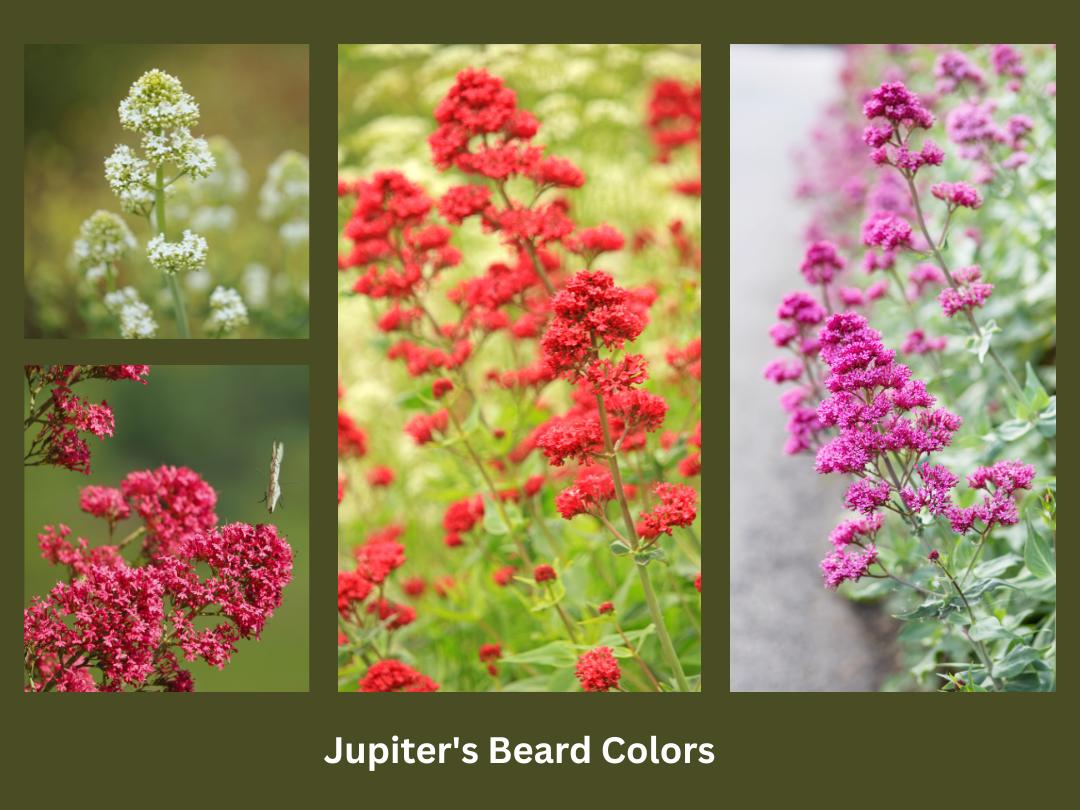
(460, 517)
(544, 573)
(351, 439)
(63, 417)
(123, 619)
(677, 507)
(675, 122)
(589, 311)
(598, 671)
(173, 502)
(393, 676)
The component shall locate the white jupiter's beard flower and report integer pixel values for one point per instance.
(176, 257)
(128, 176)
(190, 154)
(104, 239)
(157, 102)
(283, 197)
(135, 316)
(227, 310)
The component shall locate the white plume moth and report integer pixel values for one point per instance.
(273, 486)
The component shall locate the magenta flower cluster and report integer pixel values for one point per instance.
(115, 625)
(860, 411)
(887, 427)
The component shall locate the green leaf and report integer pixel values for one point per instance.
(989, 629)
(981, 586)
(997, 566)
(493, 522)
(647, 556)
(1037, 398)
(553, 654)
(412, 400)
(980, 346)
(1038, 556)
(1019, 659)
(1013, 429)
(614, 640)
(619, 548)
(1047, 421)
(923, 611)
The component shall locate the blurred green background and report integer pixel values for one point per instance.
(254, 95)
(220, 421)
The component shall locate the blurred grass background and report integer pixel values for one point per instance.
(254, 95)
(219, 421)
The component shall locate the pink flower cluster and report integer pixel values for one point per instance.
(844, 563)
(63, 417)
(124, 619)
(997, 507)
(970, 293)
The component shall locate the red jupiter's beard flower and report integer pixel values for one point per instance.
(588, 494)
(503, 576)
(380, 476)
(677, 507)
(423, 426)
(351, 441)
(589, 308)
(173, 503)
(544, 573)
(489, 654)
(394, 676)
(598, 671)
(125, 620)
(104, 502)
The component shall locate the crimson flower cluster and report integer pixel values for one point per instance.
(675, 123)
(598, 671)
(62, 419)
(363, 606)
(197, 590)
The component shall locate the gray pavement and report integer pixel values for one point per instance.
(787, 632)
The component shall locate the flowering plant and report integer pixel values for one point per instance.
(190, 237)
(193, 590)
(884, 391)
(564, 508)
(60, 417)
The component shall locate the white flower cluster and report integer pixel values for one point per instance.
(284, 196)
(104, 238)
(210, 203)
(176, 257)
(128, 175)
(159, 109)
(136, 318)
(157, 102)
(179, 147)
(227, 310)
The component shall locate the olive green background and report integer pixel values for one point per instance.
(266, 749)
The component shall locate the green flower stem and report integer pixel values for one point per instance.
(980, 648)
(174, 283)
(1009, 378)
(569, 625)
(666, 646)
(510, 530)
(641, 661)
